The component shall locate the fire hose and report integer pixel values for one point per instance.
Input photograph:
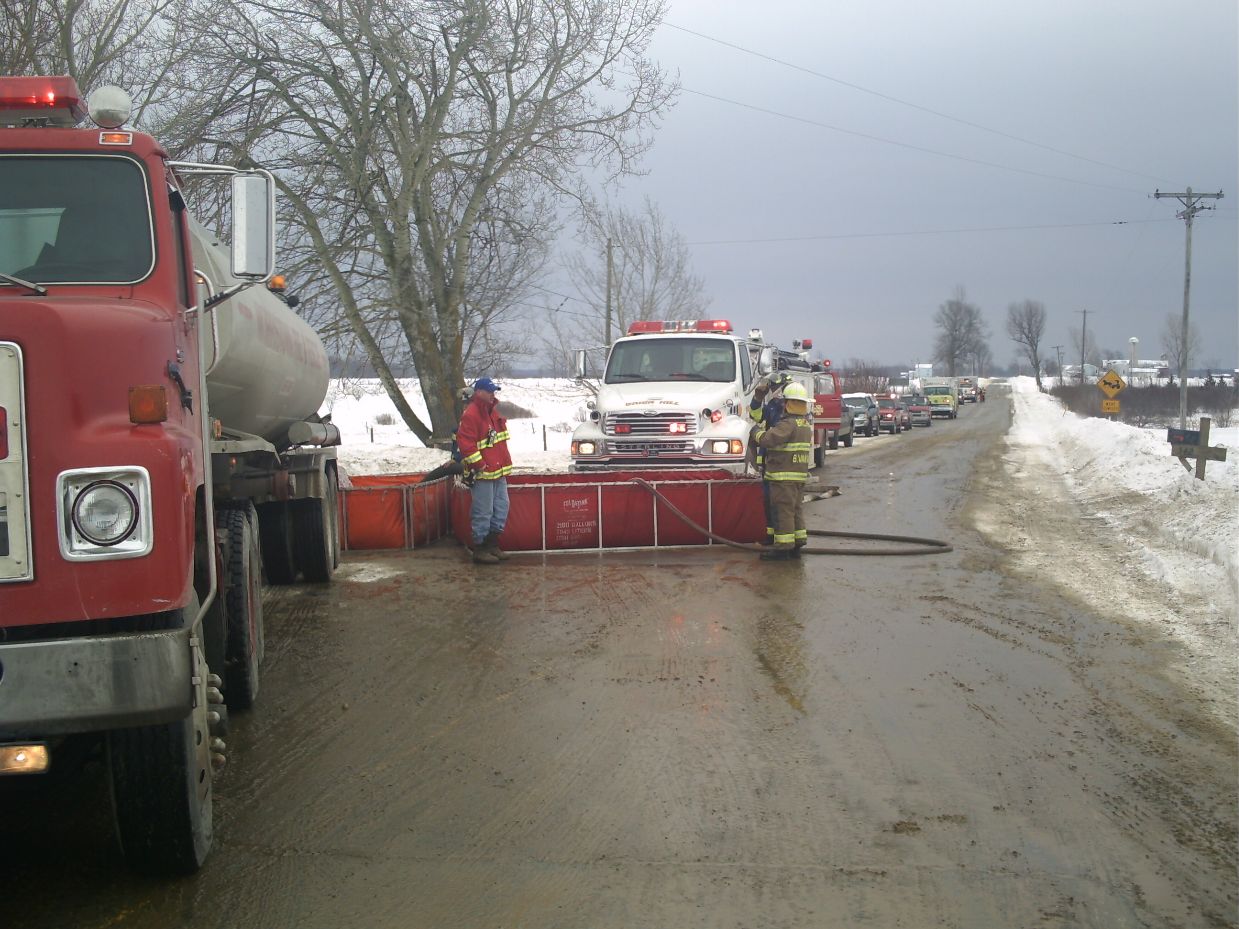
(924, 546)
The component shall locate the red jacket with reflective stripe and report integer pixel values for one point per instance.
(483, 439)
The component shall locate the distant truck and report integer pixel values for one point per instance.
(675, 394)
(159, 451)
(967, 389)
(942, 393)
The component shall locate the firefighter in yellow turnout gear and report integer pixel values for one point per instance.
(787, 448)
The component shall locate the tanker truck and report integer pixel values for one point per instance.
(159, 453)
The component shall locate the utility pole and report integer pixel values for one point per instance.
(1083, 342)
(1191, 206)
(1058, 350)
(607, 340)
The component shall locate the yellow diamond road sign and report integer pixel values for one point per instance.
(1111, 384)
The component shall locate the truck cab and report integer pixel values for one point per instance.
(672, 394)
(942, 396)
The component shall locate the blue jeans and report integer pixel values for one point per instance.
(488, 511)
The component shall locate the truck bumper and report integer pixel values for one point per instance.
(66, 686)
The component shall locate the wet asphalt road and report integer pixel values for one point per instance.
(691, 739)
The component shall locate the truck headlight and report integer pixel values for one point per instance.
(104, 513)
(719, 446)
(584, 448)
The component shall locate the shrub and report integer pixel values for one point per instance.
(512, 411)
(385, 419)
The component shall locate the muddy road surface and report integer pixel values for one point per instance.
(696, 739)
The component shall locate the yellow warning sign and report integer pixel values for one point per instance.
(1109, 406)
(1111, 384)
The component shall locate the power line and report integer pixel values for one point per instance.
(916, 148)
(915, 106)
(876, 235)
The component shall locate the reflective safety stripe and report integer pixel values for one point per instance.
(488, 442)
(787, 476)
(784, 538)
(493, 475)
(470, 459)
(802, 535)
(792, 447)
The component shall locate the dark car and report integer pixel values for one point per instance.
(864, 413)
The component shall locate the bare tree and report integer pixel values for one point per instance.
(651, 274)
(961, 333)
(861, 376)
(1178, 350)
(422, 147)
(1026, 327)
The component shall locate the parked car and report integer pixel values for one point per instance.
(832, 421)
(864, 413)
(919, 410)
(890, 415)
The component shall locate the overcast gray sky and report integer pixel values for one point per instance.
(1144, 93)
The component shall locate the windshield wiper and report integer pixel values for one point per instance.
(37, 288)
(635, 377)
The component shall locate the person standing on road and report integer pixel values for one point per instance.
(787, 447)
(483, 439)
(766, 413)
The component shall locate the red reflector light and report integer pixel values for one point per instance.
(55, 99)
(806, 344)
(713, 325)
(677, 428)
(623, 429)
(716, 416)
(825, 362)
(4, 433)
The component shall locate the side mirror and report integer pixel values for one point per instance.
(765, 361)
(253, 226)
(578, 364)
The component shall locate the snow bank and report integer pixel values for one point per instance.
(1128, 475)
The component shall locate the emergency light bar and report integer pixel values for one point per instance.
(646, 326)
(54, 99)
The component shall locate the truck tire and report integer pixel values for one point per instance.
(242, 596)
(275, 531)
(819, 455)
(314, 528)
(162, 784)
(847, 443)
(834, 441)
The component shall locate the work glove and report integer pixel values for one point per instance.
(761, 388)
(469, 477)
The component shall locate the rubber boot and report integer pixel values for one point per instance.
(483, 555)
(491, 544)
(795, 552)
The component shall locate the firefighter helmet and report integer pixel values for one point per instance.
(795, 395)
(780, 379)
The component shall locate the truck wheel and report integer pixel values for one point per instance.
(243, 603)
(275, 531)
(314, 529)
(847, 443)
(819, 455)
(162, 784)
(834, 442)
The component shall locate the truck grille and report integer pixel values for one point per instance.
(649, 449)
(14, 486)
(643, 424)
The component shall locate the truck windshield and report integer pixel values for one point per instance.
(672, 359)
(80, 220)
(937, 391)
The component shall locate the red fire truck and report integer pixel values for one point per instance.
(159, 451)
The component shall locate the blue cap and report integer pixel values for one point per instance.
(485, 383)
